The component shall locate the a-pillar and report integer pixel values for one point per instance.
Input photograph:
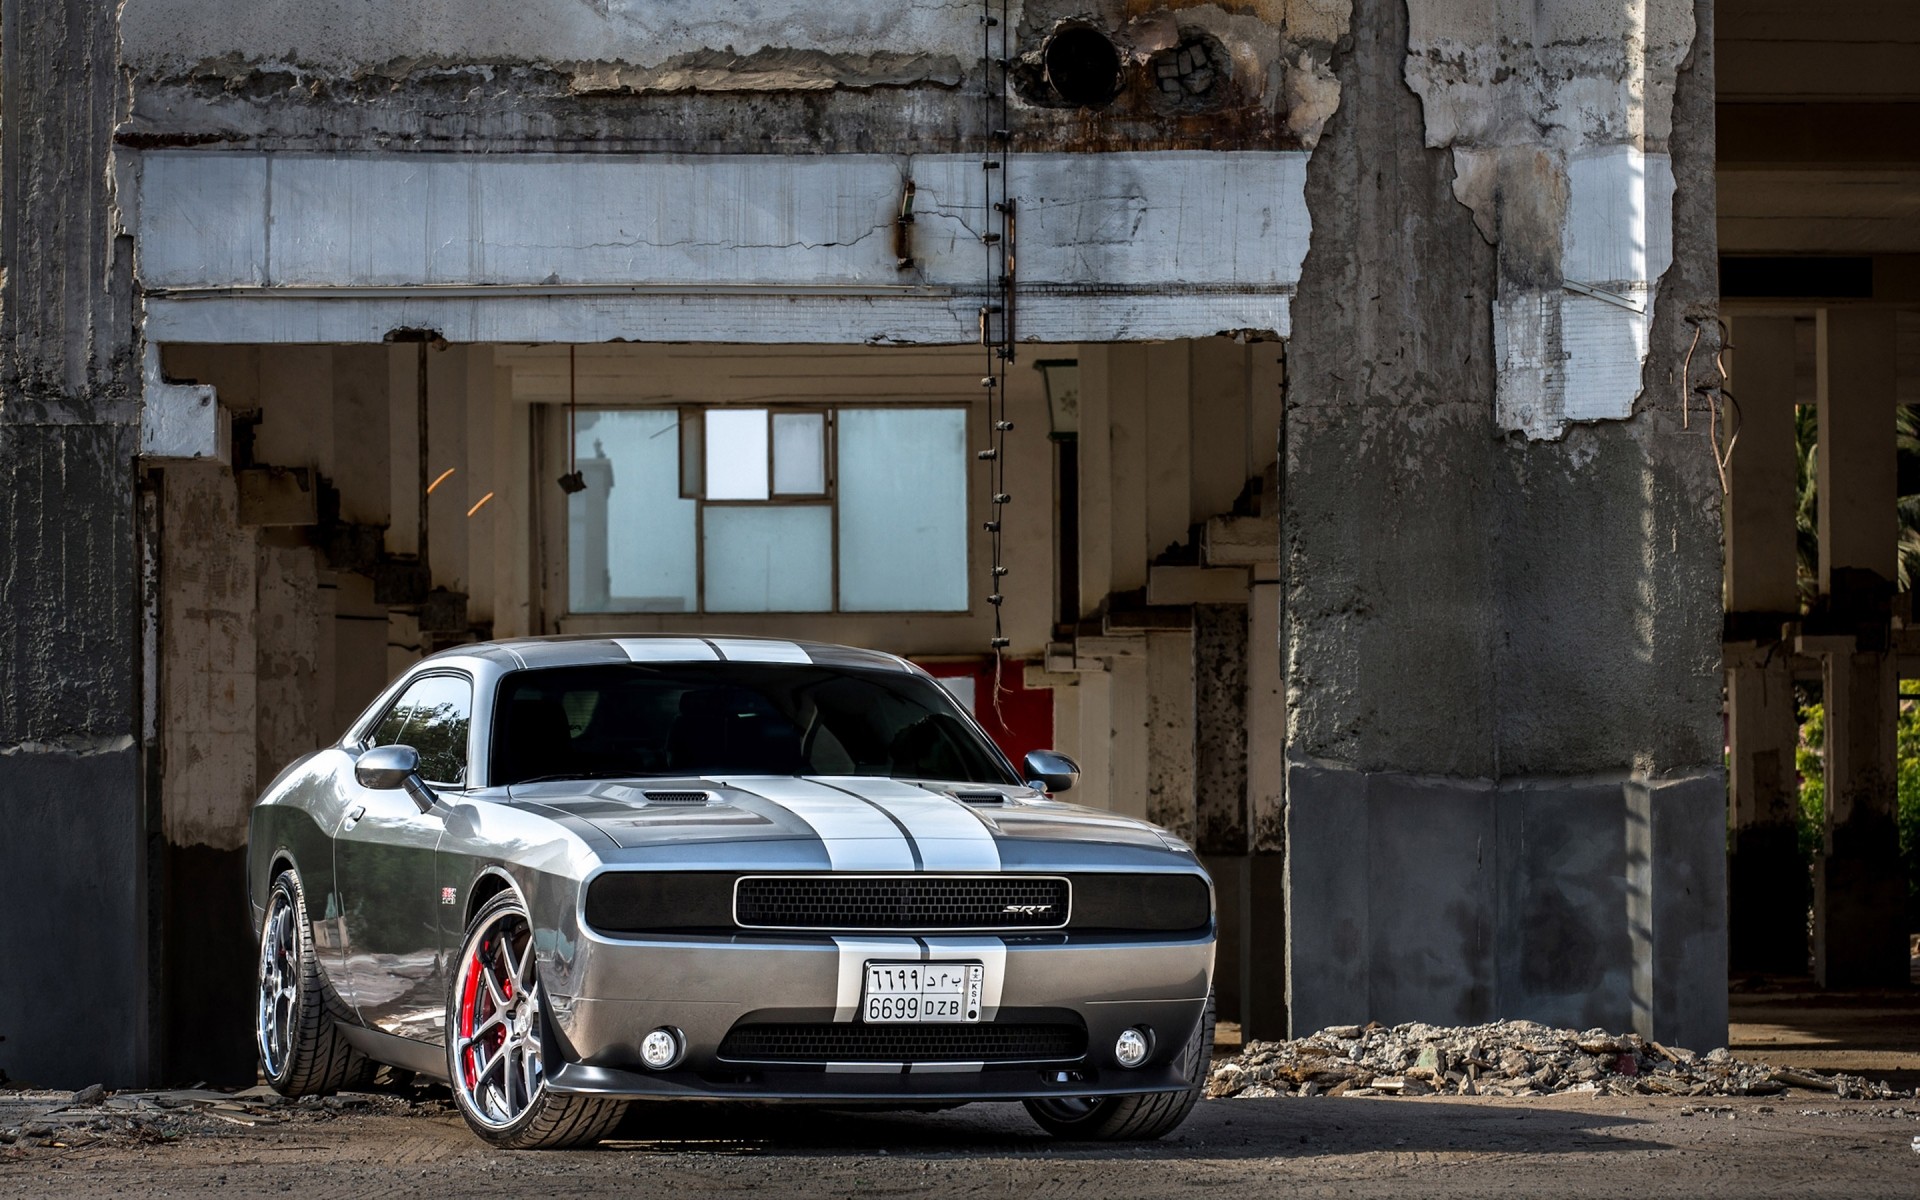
(1859, 926)
(1766, 878)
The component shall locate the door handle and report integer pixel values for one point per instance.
(353, 816)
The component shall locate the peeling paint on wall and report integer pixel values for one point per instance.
(1558, 114)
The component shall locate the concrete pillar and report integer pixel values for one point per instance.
(1859, 893)
(1265, 1012)
(1095, 739)
(213, 719)
(511, 509)
(74, 997)
(1130, 449)
(1504, 795)
(1859, 911)
(1094, 447)
(480, 468)
(1127, 753)
(1169, 432)
(1170, 729)
(1767, 891)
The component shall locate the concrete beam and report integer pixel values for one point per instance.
(1196, 585)
(180, 421)
(234, 252)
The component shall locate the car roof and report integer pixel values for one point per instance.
(570, 650)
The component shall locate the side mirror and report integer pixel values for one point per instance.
(385, 768)
(1052, 770)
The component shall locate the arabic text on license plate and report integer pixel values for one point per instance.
(910, 992)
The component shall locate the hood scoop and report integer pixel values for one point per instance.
(685, 799)
(980, 797)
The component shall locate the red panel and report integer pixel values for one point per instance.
(1022, 718)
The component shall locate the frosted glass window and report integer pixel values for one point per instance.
(777, 558)
(799, 454)
(903, 509)
(630, 536)
(737, 454)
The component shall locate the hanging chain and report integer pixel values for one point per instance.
(996, 312)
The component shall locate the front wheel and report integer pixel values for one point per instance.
(297, 1014)
(493, 1042)
(1137, 1118)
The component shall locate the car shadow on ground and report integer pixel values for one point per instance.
(1217, 1129)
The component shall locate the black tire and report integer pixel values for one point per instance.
(1137, 1118)
(545, 1120)
(309, 1056)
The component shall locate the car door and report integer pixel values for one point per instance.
(384, 863)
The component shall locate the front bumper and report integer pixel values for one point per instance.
(704, 986)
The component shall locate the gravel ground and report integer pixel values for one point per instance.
(1797, 1143)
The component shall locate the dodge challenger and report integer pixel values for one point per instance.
(565, 874)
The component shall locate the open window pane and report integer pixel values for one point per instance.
(799, 454)
(737, 454)
(903, 509)
(630, 535)
(772, 559)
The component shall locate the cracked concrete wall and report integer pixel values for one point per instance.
(783, 76)
(1558, 114)
(73, 858)
(1504, 795)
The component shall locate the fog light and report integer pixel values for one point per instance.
(1132, 1047)
(661, 1048)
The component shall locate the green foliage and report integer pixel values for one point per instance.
(1813, 779)
(1813, 788)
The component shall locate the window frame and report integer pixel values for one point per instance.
(829, 499)
(364, 742)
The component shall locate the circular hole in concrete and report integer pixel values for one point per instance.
(1082, 65)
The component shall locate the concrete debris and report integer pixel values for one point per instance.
(42, 1120)
(1507, 1058)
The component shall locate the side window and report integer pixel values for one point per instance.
(432, 716)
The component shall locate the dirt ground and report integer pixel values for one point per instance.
(1790, 1145)
(1580, 1145)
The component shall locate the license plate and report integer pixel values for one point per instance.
(922, 992)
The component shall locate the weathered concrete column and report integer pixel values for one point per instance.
(1859, 910)
(1766, 878)
(74, 996)
(1501, 555)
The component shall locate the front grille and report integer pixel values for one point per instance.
(901, 902)
(840, 1042)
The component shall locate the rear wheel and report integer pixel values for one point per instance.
(1132, 1118)
(493, 1042)
(302, 1051)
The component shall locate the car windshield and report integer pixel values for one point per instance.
(643, 719)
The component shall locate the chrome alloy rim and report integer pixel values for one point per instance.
(279, 985)
(497, 1056)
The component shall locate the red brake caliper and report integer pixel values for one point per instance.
(469, 1000)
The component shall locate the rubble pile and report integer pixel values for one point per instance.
(1507, 1058)
(36, 1120)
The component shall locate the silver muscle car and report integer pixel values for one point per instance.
(567, 873)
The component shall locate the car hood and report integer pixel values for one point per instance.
(853, 823)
